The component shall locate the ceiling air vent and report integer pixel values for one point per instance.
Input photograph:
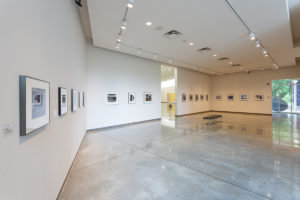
(222, 59)
(172, 34)
(205, 49)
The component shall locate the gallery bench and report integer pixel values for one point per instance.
(211, 118)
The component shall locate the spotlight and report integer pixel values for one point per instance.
(264, 51)
(191, 43)
(266, 55)
(257, 43)
(119, 38)
(118, 45)
(252, 36)
(148, 23)
(130, 4)
(124, 24)
(78, 2)
(275, 66)
(215, 55)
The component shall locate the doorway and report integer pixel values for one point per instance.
(286, 96)
(168, 91)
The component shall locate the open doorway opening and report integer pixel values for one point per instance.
(168, 90)
(286, 95)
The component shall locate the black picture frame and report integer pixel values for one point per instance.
(61, 90)
(24, 104)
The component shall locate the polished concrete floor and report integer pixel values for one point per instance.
(243, 157)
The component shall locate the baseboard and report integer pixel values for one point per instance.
(193, 113)
(241, 112)
(121, 125)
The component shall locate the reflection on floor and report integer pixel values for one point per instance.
(243, 157)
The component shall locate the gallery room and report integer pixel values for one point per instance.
(150, 100)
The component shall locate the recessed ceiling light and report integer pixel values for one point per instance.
(230, 63)
(148, 23)
(252, 36)
(215, 55)
(124, 24)
(130, 4)
(191, 43)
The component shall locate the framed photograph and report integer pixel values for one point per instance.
(201, 97)
(196, 97)
(131, 98)
(243, 97)
(183, 97)
(79, 100)
(191, 97)
(230, 97)
(83, 99)
(259, 97)
(148, 97)
(219, 97)
(112, 98)
(207, 97)
(74, 100)
(34, 102)
(62, 101)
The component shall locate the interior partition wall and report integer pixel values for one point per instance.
(286, 96)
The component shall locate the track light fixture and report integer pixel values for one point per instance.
(252, 36)
(264, 51)
(119, 38)
(257, 43)
(275, 66)
(124, 24)
(78, 2)
(130, 4)
(118, 45)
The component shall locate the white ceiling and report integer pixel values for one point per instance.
(209, 23)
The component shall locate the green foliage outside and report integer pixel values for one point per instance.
(282, 90)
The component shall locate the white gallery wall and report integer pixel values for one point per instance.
(251, 84)
(192, 82)
(44, 40)
(114, 72)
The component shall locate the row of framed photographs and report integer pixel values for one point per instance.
(34, 100)
(113, 98)
(77, 100)
(243, 97)
(194, 97)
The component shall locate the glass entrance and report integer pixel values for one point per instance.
(286, 96)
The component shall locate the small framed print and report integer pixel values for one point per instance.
(74, 100)
(196, 97)
(148, 97)
(243, 97)
(62, 101)
(191, 97)
(258, 97)
(131, 98)
(83, 99)
(112, 98)
(183, 97)
(201, 97)
(219, 97)
(34, 99)
(230, 97)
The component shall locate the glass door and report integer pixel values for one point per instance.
(296, 96)
(281, 96)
